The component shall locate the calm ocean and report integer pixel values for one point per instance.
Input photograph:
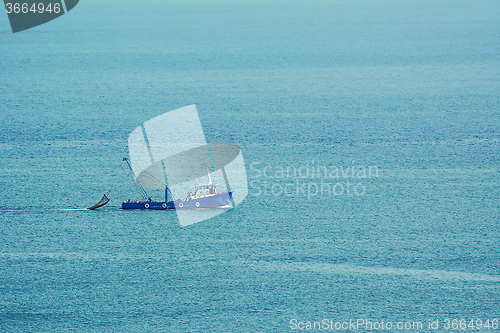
(371, 137)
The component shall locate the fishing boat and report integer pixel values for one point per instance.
(203, 196)
(169, 153)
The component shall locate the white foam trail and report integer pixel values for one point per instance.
(346, 269)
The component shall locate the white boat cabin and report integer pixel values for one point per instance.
(202, 191)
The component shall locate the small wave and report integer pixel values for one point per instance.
(79, 256)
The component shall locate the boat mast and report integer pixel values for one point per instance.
(144, 194)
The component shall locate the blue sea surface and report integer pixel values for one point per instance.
(370, 132)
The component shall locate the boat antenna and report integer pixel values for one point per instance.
(209, 178)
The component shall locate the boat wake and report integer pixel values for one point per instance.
(82, 209)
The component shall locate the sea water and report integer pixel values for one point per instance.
(370, 134)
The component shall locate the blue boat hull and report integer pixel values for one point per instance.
(157, 205)
(214, 201)
(221, 200)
